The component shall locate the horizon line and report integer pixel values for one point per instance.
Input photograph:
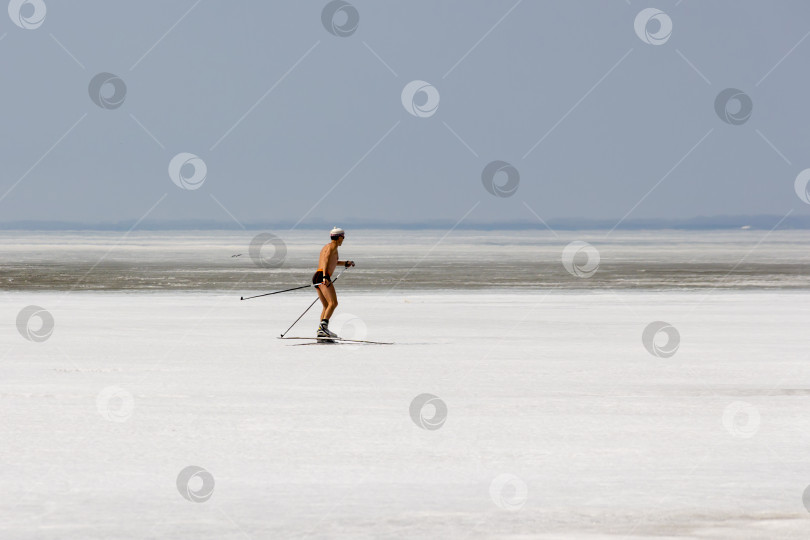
(695, 223)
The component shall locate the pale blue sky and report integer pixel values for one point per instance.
(614, 115)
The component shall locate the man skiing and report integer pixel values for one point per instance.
(322, 280)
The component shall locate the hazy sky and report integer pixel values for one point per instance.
(589, 112)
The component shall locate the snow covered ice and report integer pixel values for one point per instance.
(559, 423)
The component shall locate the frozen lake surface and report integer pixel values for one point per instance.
(559, 423)
(405, 260)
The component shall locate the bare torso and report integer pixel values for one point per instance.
(328, 259)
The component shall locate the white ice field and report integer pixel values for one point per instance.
(559, 423)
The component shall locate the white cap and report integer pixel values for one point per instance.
(337, 231)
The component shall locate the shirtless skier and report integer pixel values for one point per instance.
(323, 280)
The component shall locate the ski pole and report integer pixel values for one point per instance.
(299, 318)
(274, 292)
(310, 306)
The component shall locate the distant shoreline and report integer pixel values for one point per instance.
(766, 222)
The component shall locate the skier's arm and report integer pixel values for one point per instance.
(323, 263)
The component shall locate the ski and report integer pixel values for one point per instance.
(339, 340)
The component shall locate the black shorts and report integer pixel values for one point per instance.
(317, 278)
